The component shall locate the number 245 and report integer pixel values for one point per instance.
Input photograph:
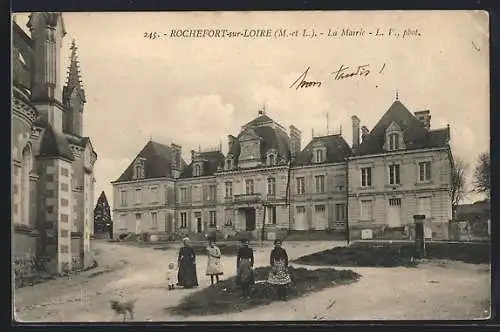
(151, 35)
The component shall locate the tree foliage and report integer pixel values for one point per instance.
(102, 213)
(458, 189)
(482, 172)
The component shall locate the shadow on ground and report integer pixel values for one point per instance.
(397, 254)
(225, 296)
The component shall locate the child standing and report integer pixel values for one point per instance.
(171, 276)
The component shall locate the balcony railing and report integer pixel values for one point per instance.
(246, 198)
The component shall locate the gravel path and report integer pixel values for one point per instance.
(434, 290)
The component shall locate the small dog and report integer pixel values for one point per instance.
(121, 308)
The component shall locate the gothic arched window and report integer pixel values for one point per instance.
(25, 184)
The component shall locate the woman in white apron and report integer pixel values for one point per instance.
(214, 264)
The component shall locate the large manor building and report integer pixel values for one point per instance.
(268, 185)
(52, 160)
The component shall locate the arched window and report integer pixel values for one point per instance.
(25, 184)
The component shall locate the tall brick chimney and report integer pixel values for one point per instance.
(295, 140)
(176, 157)
(355, 131)
(231, 140)
(425, 118)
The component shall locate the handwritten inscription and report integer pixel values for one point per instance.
(342, 73)
(301, 81)
(345, 72)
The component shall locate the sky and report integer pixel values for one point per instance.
(196, 91)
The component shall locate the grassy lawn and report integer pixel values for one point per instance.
(397, 254)
(225, 296)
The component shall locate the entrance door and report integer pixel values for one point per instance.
(300, 219)
(199, 225)
(250, 219)
(424, 206)
(137, 223)
(394, 212)
(168, 222)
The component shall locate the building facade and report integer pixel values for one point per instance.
(267, 186)
(52, 162)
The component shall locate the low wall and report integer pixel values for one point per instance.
(433, 231)
(24, 254)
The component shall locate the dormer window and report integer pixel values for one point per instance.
(229, 162)
(197, 170)
(394, 138)
(318, 152)
(393, 142)
(319, 156)
(272, 158)
(139, 169)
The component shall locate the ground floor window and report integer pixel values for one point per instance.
(366, 207)
(183, 220)
(320, 209)
(229, 218)
(154, 219)
(339, 212)
(271, 215)
(213, 221)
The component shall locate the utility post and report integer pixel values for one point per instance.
(419, 234)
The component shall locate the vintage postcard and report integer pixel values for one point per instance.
(250, 166)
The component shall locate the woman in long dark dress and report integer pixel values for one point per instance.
(244, 264)
(279, 276)
(186, 276)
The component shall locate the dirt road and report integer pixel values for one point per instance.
(447, 290)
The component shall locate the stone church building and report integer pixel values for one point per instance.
(52, 159)
(268, 186)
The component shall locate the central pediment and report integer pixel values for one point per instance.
(248, 135)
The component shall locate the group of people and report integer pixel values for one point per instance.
(186, 262)
(245, 278)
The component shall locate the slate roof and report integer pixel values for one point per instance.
(272, 138)
(337, 150)
(22, 48)
(158, 162)
(54, 145)
(258, 121)
(213, 159)
(415, 135)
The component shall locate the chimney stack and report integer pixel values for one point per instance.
(364, 133)
(295, 140)
(425, 118)
(192, 155)
(177, 151)
(231, 140)
(355, 131)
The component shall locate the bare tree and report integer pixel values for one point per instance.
(482, 174)
(458, 189)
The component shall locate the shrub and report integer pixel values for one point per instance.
(224, 297)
